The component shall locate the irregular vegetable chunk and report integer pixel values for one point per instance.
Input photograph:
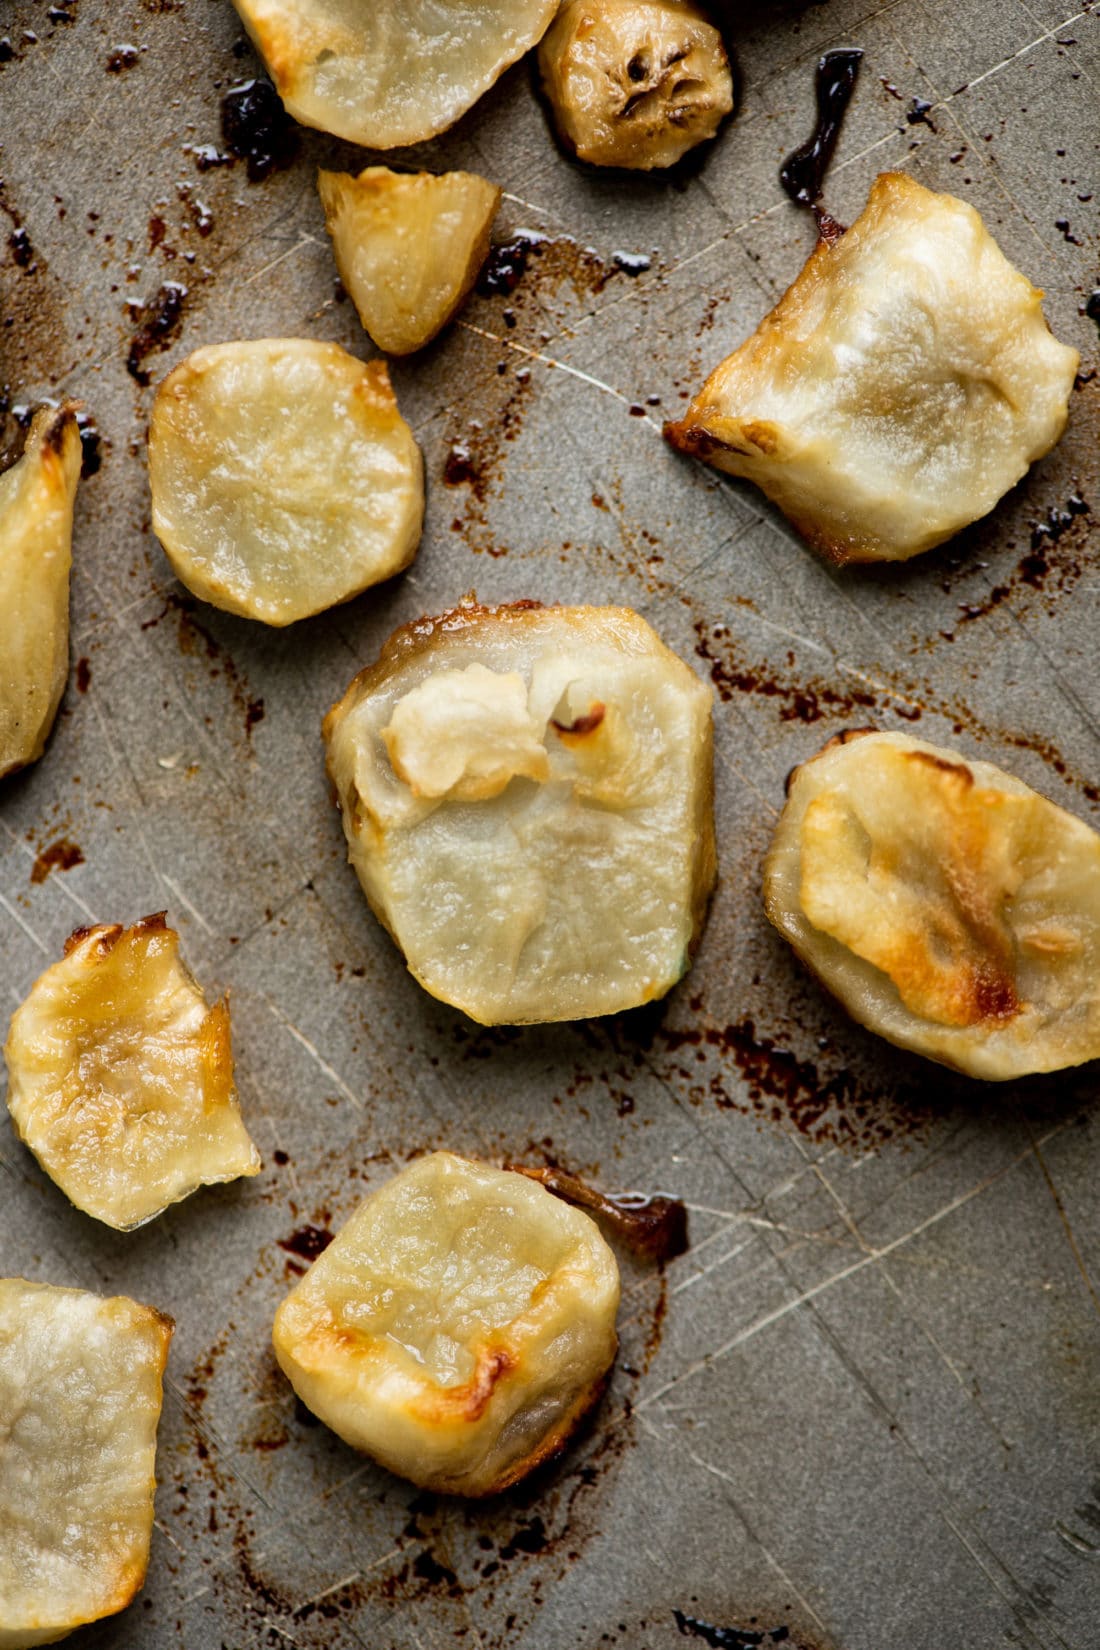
(458, 1327)
(284, 479)
(120, 1078)
(898, 389)
(80, 1397)
(635, 83)
(36, 529)
(527, 797)
(408, 247)
(951, 908)
(390, 72)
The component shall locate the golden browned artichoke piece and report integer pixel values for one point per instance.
(898, 389)
(284, 478)
(527, 798)
(950, 907)
(385, 73)
(120, 1077)
(80, 1398)
(408, 247)
(458, 1327)
(36, 528)
(635, 83)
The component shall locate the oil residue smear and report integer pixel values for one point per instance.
(802, 174)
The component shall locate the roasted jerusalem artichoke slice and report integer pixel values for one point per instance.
(458, 1327)
(36, 529)
(635, 83)
(80, 1397)
(284, 479)
(408, 247)
(389, 72)
(120, 1078)
(950, 907)
(898, 389)
(527, 797)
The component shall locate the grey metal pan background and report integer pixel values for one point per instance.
(865, 1405)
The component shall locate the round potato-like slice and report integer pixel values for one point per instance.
(120, 1077)
(284, 479)
(898, 389)
(527, 797)
(635, 83)
(457, 1328)
(36, 530)
(384, 73)
(950, 907)
(408, 246)
(80, 1396)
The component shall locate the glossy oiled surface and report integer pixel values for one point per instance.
(870, 1410)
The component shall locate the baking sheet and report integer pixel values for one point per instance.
(865, 1405)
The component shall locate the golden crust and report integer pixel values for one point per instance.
(121, 1076)
(948, 906)
(458, 1328)
(899, 388)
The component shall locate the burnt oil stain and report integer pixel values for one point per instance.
(734, 1638)
(91, 455)
(307, 1242)
(1092, 305)
(157, 323)
(121, 58)
(257, 129)
(195, 640)
(61, 855)
(507, 263)
(803, 172)
(802, 701)
(83, 675)
(1039, 568)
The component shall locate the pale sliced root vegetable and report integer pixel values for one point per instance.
(902, 384)
(284, 478)
(950, 907)
(635, 83)
(408, 247)
(120, 1077)
(36, 529)
(527, 798)
(458, 1327)
(80, 1398)
(384, 73)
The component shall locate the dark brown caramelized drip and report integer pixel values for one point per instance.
(158, 320)
(802, 174)
(733, 1638)
(652, 1226)
(507, 262)
(257, 129)
(307, 1242)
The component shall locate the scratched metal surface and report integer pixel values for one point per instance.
(865, 1405)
